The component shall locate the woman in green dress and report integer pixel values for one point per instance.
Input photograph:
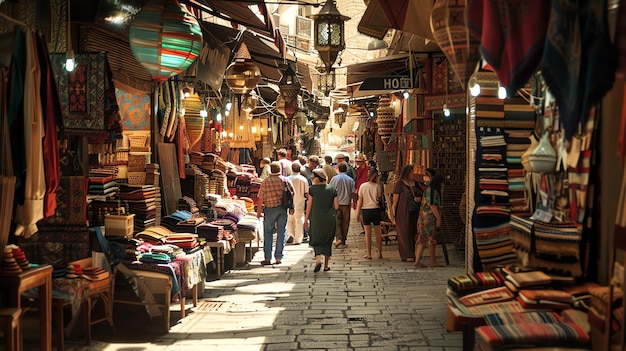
(320, 210)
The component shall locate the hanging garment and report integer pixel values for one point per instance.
(579, 61)
(15, 106)
(52, 120)
(28, 214)
(512, 33)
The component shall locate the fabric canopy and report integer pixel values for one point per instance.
(411, 16)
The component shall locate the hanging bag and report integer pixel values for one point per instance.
(414, 202)
(287, 201)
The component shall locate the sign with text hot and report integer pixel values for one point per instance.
(387, 83)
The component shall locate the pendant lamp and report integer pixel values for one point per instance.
(329, 38)
(165, 38)
(449, 28)
(289, 85)
(243, 74)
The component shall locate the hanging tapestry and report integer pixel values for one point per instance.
(85, 96)
(134, 107)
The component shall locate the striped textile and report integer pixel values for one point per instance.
(464, 284)
(538, 334)
(504, 318)
(561, 239)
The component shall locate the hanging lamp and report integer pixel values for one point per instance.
(165, 38)
(329, 33)
(242, 75)
(289, 85)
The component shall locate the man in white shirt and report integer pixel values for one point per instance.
(295, 221)
(285, 163)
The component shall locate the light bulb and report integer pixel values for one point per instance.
(218, 117)
(253, 129)
(501, 92)
(228, 106)
(230, 135)
(475, 89)
(371, 113)
(241, 127)
(227, 113)
(186, 92)
(70, 63)
(405, 95)
(446, 110)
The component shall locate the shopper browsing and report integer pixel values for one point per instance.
(321, 210)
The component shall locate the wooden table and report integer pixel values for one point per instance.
(36, 277)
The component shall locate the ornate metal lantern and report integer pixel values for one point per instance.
(243, 74)
(289, 85)
(326, 81)
(329, 33)
(340, 116)
(165, 38)
(321, 121)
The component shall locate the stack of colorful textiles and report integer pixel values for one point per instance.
(492, 213)
(141, 201)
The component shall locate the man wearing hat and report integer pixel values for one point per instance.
(341, 158)
(274, 214)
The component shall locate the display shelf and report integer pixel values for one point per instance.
(450, 159)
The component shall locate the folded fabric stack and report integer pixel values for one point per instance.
(189, 225)
(466, 284)
(149, 257)
(95, 273)
(531, 329)
(211, 232)
(170, 221)
(182, 240)
(102, 186)
(155, 235)
(20, 257)
(141, 201)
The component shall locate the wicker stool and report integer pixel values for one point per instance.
(10, 318)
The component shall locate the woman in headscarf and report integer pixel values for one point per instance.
(429, 220)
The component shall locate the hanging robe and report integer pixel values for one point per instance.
(28, 214)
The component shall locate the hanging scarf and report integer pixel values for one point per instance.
(512, 33)
(579, 61)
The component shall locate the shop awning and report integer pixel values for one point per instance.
(264, 53)
(411, 16)
(254, 17)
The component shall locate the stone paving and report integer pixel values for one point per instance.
(358, 305)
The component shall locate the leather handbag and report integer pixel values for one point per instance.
(287, 200)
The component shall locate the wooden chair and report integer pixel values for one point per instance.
(10, 319)
(154, 291)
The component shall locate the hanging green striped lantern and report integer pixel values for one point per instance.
(165, 38)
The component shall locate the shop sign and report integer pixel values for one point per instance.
(387, 83)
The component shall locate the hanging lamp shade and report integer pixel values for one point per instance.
(243, 74)
(289, 85)
(165, 38)
(449, 28)
(329, 37)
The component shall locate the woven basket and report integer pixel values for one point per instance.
(136, 178)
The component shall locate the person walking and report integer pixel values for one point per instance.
(328, 168)
(429, 220)
(362, 173)
(368, 212)
(295, 220)
(285, 163)
(321, 210)
(406, 199)
(346, 193)
(274, 214)
(265, 168)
